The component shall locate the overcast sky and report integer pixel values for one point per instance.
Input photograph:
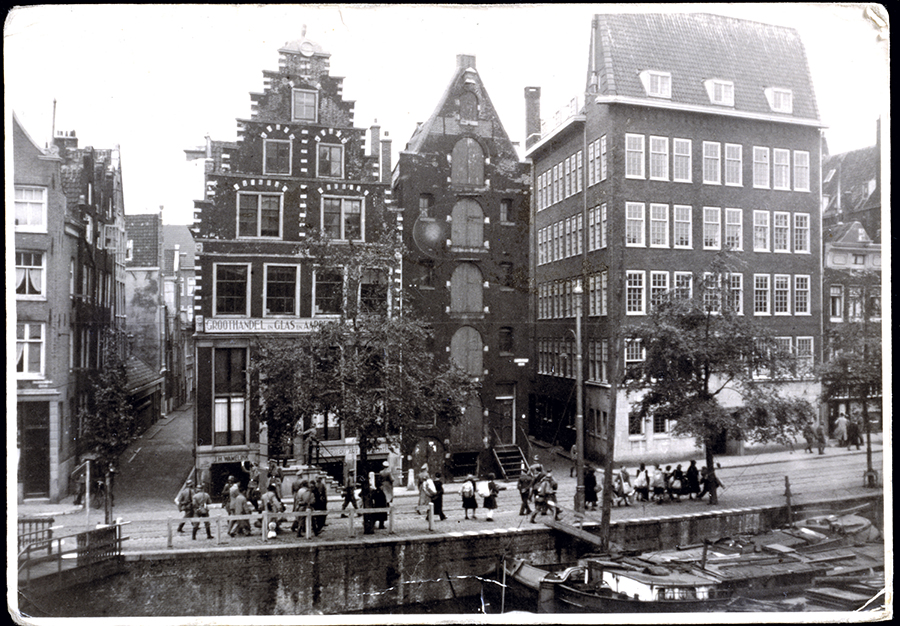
(156, 79)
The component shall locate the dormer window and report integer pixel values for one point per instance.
(657, 84)
(720, 92)
(780, 100)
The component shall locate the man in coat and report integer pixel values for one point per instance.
(201, 502)
(185, 501)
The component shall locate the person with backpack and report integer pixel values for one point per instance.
(185, 502)
(545, 496)
(438, 499)
(201, 502)
(524, 485)
(469, 503)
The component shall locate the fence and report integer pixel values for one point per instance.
(34, 530)
(355, 520)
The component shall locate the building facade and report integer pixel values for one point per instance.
(852, 293)
(69, 227)
(179, 279)
(299, 169)
(851, 189)
(464, 194)
(666, 168)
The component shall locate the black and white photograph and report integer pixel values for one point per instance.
(500, 313)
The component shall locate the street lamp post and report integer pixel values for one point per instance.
(579, 404)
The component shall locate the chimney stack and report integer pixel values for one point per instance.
(465, 61)
(386, 172)
(532, 116)
(374, 139)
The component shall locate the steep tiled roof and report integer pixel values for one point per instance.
(697, 47)
(139, 373)
(849, 173)
(144, 232)
(851, 233)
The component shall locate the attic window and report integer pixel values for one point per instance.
(657, 84)
(780, 100)
(720, 91)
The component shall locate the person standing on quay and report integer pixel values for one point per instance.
(387, 484)
(490, 500)
(840, 429)
(320, 503)
(349, 493)
(468, 496)
(438, 498)
(201, 502)
(524, 485)
(809, 434)
(590, 488)
(821, 438)
(185, 502)
(854, 431)
(421, 479)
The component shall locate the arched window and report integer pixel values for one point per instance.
(467, 351)
(467, 225)
(467, 163)
(466, 289)
(468, 106)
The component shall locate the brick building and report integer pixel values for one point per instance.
(851, 189)
(697, 139)
(299, 167)
(465, 195)
(69, 226)
(179, 278)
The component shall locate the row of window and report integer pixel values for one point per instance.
(31, 349)
(773, 231)
(281, 290)
(278, 158)
(31, 280)
(773, 294)
(262, 215)
(861, 303)
(718, 167)
(658, 84)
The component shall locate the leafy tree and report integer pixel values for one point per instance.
(853, 362)
(107, 419)
(698, 348)
(375, 374)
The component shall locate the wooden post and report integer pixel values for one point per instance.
(265, 525)
(787, 494)
(308, 523)
(218, 530)
(391, 519)
(430, 516)
(352, 516)
(169, 532)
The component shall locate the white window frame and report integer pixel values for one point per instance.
(781, 286)
(259, 195)
(736, 292)
(343, 199)
(215, 285)
(712, 228)
(27, 205)
(329, 269)
(659, 158)
(290, 167)
(734, 165)
(781, 169)
(836, 291)
(659, 217)
(657, 84)
(761, 171)
(762, 283)
(579, 175)
(801, 240)
(783, 229)
(735, 226)
(805, 358)
(639, 275)
(712, 161)
(780, 100)
(659, 285)
(761, 226)
(603, 156)
(801, 170)
(603, 225)
(25, 269)
(679, 289)
(681, 160)
(28, 344)
(315, 117)
(635, 224)
(635, 156)
(802, 294)
(684, 209)
(592, 163)
(720, 91)
(332, 146)
(265, 298)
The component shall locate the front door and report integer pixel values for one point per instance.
(34, 466)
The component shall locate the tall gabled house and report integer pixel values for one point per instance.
(69, 227)
(696, 138)
(298, 170)
(464, 195)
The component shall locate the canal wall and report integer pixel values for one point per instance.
(375, 573)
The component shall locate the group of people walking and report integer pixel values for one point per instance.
(670, 485)
(848, 432)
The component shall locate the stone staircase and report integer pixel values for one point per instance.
(510, 459)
